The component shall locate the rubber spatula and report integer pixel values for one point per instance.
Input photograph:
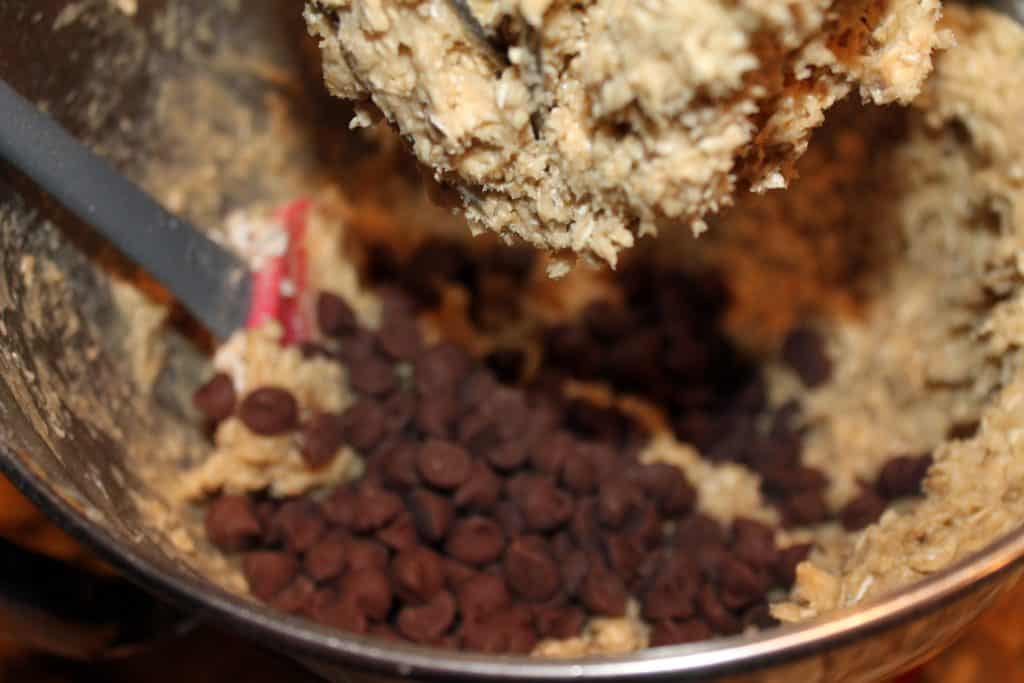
(212, 283)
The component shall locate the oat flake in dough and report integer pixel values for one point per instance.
(650, 111)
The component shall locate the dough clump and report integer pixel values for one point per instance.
(604, 120)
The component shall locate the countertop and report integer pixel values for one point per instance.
(993, 650)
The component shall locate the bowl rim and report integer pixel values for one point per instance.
(303, 639)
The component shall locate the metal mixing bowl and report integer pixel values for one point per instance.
(75, 426)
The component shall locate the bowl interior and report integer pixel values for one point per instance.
(213, 106)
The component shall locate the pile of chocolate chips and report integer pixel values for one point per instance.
(494, 511)
(487, 518)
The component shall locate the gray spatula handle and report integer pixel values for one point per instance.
(212, 283)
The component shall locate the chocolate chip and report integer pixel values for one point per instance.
(436, 414)
(508, 456)
(530, 569)
(480, 491)
(544, 418)
(295, 596)
(863, 510)
(361, 553)
(507, 408)
(698, 531)
(268, 572)
(754, 543)
(265, 510)
(321, 599)
(418, 573)
(517, 485)
(602, 592)
(394, 302)
(334, 316)
(545, 506)
(740, 581)
(375, 508)
(231, 523)
(805, 508)
(585, 524)
(550, 455)
(789, 558)
(710, 559)
(399, 334)
(322, 436)
(369, 590)
(624, 555)
(482, 595)
(616, 501)
(962, 431)
(561, 544)
(475, 540)
(574, 568)
(372, 377)
(364, 423)
(646, 526)
(428, 622)
(326, 559)
(338, 613)
(400, 408)
(508, 631)
(671, 592)
(902, 476)
(432, 513)
(478, 388)
(478, 432)
(356, 347)
(340, 507)
(443, 464)
(606, 425)
(558, 622)
(604, 458)
(439, 369)
(299, 523)
(399, 466)
(400, 533)
(510, 518)
(718, 618)
(667, 486)
(785, 480)
(456, 573)
(269, 411)
(674, 632)
(803, 350)
(216, 398)
(579, 474)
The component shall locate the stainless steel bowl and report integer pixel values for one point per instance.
(75, 427)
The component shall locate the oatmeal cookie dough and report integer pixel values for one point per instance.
(639, 113)
(242, 461)
(939, 351)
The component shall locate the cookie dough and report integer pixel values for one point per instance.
(938, 356)
(614, 117)
(241, 460)
(904, 232)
